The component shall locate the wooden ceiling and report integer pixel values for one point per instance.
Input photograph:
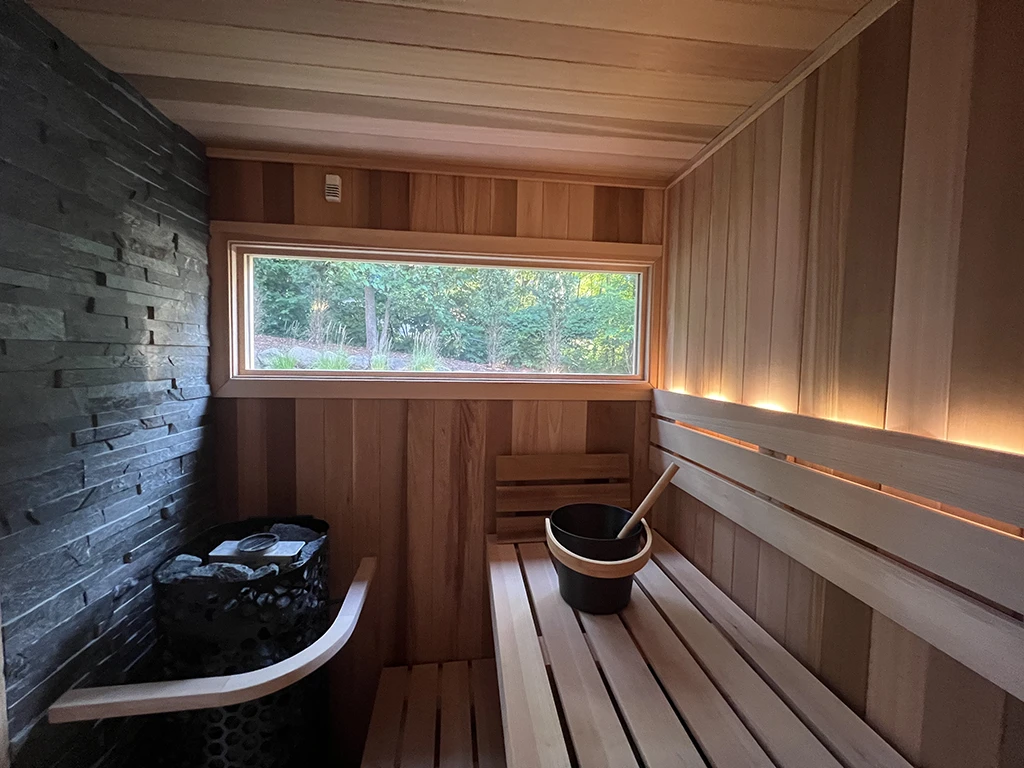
(629, 88)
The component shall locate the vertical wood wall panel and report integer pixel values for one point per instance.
(240, 190)
(772, 591)
(422, 200)
(412, 483)
(934, 155)
(581, 212)
(419, 544)
(280, 457)
(530, 209)
(718, 250)
(389, 200)
(746, 555)
(883, 276)
(653, 216)
(986, 399)
(798, 109)
(310, 470)
(698, 285)
(741, 187)
(764, 222)
(555, 219)
(805, 596)
(680, 255)
(835, 119)
(280, 192)
(252, 459)
(873, 226)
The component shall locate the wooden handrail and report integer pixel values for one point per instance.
(225, 690)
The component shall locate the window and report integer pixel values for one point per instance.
(388, 316)
(351, 314)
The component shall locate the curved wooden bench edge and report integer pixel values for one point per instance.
(204, 692)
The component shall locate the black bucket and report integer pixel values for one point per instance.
(589, 530)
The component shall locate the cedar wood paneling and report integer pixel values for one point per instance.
(412, 482)
(879, 216)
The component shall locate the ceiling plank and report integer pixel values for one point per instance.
(869, 14)
(169, 89)
(408, 129)
(457, 31)
(405, 154)
(772, 24)
(415, 88)
(237, 42)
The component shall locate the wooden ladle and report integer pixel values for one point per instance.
(648, 502)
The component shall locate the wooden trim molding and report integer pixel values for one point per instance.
(588, 251)
(419, 165)
(232, 244)
(223, 691)
(378, 389)
(979, 637)
(857, 23)
(988, 482)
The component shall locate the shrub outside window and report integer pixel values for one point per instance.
(369, 313)
(350, 315)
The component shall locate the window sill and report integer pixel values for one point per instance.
(408, 389)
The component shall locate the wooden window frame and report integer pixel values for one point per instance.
(233, 245)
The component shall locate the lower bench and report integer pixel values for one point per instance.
(436, 715)
(682, 677)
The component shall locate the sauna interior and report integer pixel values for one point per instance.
(311, 314)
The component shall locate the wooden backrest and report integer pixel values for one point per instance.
(950, 580)
(531, 484)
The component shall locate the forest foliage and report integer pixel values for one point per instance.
(501, 317)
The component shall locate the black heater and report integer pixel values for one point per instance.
(237, 602)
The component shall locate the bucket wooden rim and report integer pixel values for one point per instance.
(600, 569)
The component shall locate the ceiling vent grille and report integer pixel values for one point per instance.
(332, 188)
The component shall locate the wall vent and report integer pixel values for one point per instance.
(332, 188)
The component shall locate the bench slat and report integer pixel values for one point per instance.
(979, 637)
(381, 750)
(544, 498)
(985, 561)
(722, 736)
(533, 734)
(487, 714)
(420, 718)
(662, 740)
(832, 721)
(596, 730)
(520, 528)
(566, 466)
(456, 727)
(784, 736)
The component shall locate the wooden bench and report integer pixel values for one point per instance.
(444, 715)
(682, 677)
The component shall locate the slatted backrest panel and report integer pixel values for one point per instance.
(934, 573)
(540, 483)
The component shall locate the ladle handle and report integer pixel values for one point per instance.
(648, 502)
